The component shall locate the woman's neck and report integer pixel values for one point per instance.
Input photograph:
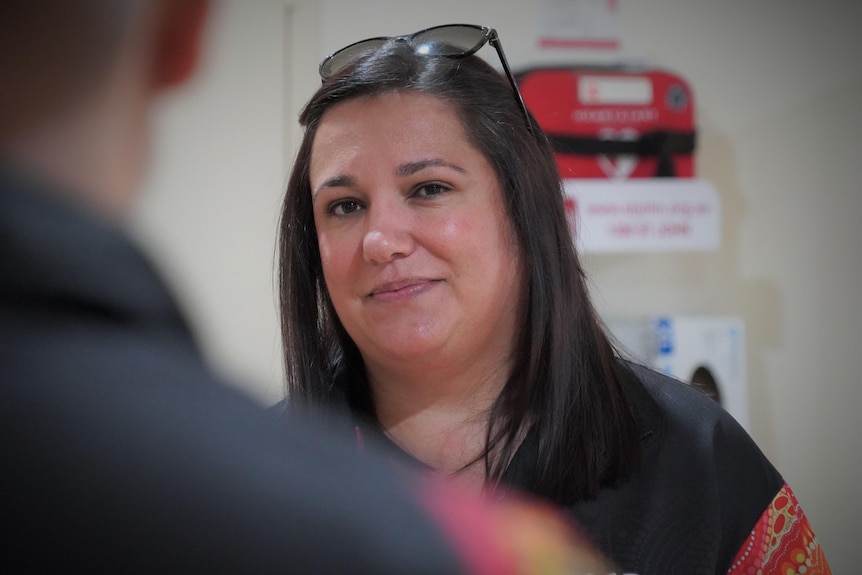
(440, 438)
(440, 419)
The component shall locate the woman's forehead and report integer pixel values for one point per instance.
(395, 127)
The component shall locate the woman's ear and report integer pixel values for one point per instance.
(179, 31)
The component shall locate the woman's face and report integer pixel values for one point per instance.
(418, 253)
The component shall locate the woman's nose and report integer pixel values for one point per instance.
(388, 235)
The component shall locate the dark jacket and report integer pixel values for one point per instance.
(701, 487)
(121, 452)
(702, 484)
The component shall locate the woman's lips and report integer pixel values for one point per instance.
(401, 290)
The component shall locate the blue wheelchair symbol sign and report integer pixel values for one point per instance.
(664, 335)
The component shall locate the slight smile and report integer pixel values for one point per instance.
(401, 290)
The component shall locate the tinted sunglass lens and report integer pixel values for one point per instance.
(337, 61)
(449, 40)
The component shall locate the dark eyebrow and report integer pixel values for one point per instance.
(405, 169)
(410, 168)
(341, 181)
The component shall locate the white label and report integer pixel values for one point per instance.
(641, 215)
(597, 90)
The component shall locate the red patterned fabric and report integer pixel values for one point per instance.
(782, 543)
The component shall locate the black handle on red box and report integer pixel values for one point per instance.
(661, 143)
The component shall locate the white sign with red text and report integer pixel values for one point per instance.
(590, 24)
(643, 215)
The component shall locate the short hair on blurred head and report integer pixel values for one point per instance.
(53, 52)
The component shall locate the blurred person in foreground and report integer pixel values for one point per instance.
(119, 450)
(431, 289)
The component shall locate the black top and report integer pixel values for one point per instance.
(701, 487)
(121, 452)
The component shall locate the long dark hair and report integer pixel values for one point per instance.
(565, 380)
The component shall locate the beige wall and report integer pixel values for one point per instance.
(778, 87)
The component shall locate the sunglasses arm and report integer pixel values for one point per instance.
(494, 40)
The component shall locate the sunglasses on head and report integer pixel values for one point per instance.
(448, 41)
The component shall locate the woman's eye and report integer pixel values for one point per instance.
(344, 207)
(430, 190)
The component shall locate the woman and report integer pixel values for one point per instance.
(429, 285)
